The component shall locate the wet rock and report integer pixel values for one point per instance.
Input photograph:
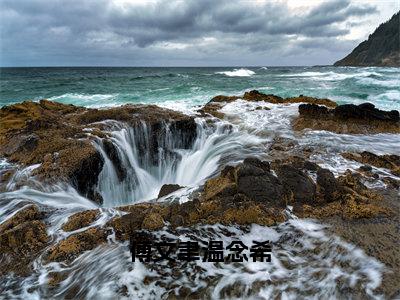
(250, 213)
(365, 168)
(153, 221)
(255, 95)
(365, 111)
(226, 199)
(112, 153)
(354, 187)
(216, 103)
(167, 189)
(224, 99)
(348, 118)
(85, 174)
(351, 200)
(74, 245)
(310, 166)
(330, 187)
(283, 144)
(313, 110)
(212, 108)
(258, 185)
(348, 209)
(387, 161)
(81, 219)
(262, 108)
(21, 143)
(24, 239)
(296, 182)
(391, 182)
(253, 161)
(55, 136)
(312, 100)
(28, 213)
(221, 186)
(177, 220)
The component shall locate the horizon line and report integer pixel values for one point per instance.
(224, 66)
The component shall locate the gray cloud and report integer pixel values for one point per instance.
(99, 32)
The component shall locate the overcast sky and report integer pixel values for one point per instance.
(185, 33)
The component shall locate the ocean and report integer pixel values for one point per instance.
(308, 260)
(184, 88)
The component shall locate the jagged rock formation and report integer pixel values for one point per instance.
(216, 103)
(167, 189)
(245, 194)
(348, 118)
(58, 137)
(21, 239)
(381, 49)
(391, 162)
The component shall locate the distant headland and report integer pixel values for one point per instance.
(381, 49)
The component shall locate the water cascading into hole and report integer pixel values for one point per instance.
(146, 169)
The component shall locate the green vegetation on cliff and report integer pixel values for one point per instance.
(381, 49)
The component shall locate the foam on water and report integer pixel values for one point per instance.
(89, 100)
(238, 73)
(334, 76)
(306, 261)
(275, 122)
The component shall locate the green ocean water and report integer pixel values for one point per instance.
(183, 88)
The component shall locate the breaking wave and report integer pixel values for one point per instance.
(238, 73)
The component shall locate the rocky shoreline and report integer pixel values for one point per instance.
(58, 138)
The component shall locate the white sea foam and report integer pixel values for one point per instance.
(391, 83)
(187, 107)
(333, 76)
(89, 100)
(238, 73)
(306, 260)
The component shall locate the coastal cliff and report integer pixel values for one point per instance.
(382, 48)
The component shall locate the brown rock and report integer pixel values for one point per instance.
(219, 187)
(258, 185)
(177, 220)
(167, 189)
(296, 182)
(349, 118)
(153, 221)
(81, 219)
(24, 239)
(391, 162)
(28, 213)
(330, 187)
(257, 96)
(391, 182)
(54, 135)
(216, 103)
(74, 245)
(112, 152)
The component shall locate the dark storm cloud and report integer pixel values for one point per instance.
(100, 32)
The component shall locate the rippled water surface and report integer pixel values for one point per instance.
(185, 87)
